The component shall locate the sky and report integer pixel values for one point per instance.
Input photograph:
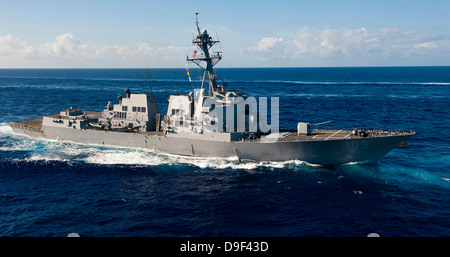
(263, 33)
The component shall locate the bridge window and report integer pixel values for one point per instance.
(121, 115)
(178, 112)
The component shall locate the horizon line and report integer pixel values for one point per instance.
(265, 67)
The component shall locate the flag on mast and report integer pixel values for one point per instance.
(187, 73)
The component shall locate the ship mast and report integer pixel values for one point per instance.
(204, 43)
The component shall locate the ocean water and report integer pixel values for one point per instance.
(50, 188)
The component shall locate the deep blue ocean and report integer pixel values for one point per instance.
(51, 189)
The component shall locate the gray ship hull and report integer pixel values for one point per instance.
(330, 152)
(324, 152)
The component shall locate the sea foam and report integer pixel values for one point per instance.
(52, 150)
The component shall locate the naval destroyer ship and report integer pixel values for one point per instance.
(211, 122)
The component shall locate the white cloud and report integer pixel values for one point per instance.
(65, 46)
(341, 47)
(266, 44)
(67, 51)
(307, 47)
(10, 45)
(427, 45)
(329, 43)
(371, 46)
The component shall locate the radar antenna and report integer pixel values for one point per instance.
(196, 22)
(204, 42)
